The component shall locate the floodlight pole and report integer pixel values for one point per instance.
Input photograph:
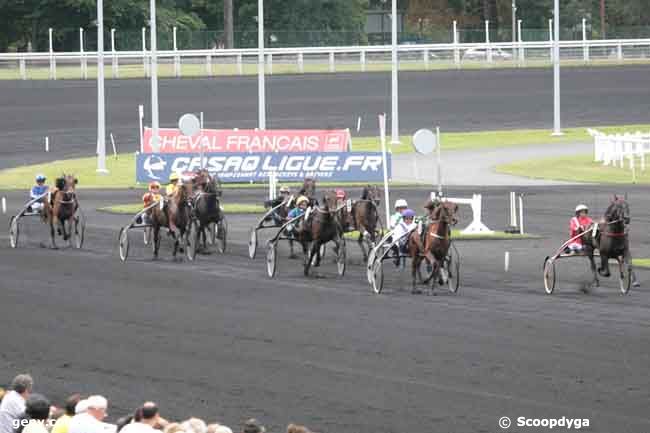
(154, 78)
(556, 70)
(394, 118)
(101, 113)
(261, 92)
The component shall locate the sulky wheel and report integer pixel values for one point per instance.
(124, 243)
(549, 275)
(341, 258)
(222, 234)
(371, 261)
(252, 244)
(271, 259)
(192, 240)
(378, 276)
(452, 265)
(14, 232)
(79, 229)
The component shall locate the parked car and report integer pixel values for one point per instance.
(481, 54)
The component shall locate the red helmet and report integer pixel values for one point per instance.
(340, 193)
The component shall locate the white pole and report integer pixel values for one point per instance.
(47, 144)
(114, 59)
(394, 117)
(438, 160)
(201, 145)
(261, 93)
(101, 105)
(154, 78)
(177, 66)
(358, 124)
(113, 143)
(585, 49)
(520, 39)
(556, 71)
(81, 51)
(4, 205)
(521, 214)
(506, 264)
(141, 118)
(550, 37)
(52, 66)
(487, 41)
(455, 39)
(382, 135)
(145, 63)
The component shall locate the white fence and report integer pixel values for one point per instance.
(614, 149)
(428, 55)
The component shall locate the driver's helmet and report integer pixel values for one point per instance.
(154, 185)
(582, 207)
(302, 199)
(284, 189)
(173, 177)
(401, 203)
(40, 178)
(340, 194)
(408, 213)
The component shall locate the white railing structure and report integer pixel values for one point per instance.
(454, 53)
(614, 149)
(476, 226)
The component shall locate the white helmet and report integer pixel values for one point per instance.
(581, 207)
(401, 203)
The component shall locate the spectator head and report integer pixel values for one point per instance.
(71, 404)
(2, 393)
(81, 407)
(173, 427)
(295, 428)
(97, 406)
(218, 428)
(22, 384)
(253, 426)
(150, 414)
(194, 425)
(37, 407)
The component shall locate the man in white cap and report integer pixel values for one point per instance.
(149, 418)
(90, 420)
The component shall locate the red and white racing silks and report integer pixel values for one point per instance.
(577, 225)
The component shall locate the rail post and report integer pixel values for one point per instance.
(114, 62)
(52, 59)
(455, 40)
(301, 63)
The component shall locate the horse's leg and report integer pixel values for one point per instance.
(592, 264)
(362, 246)
(604, 264)
(317, 264)
(156, 241)
(52, 236)
(292, 254)
(307, 257)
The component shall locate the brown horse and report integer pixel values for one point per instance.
(309, 190)
(175, 215)
(60, 210)
(363, 217)
(435, 245)
(321, 227)
(206, 202)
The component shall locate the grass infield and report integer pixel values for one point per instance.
(641, 263)
(236, 208)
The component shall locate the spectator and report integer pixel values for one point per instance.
(37, 411)
(253, 426)
(218, 428)
(2, 393)
(13, 404)
(90, 420)
(148, 418)
(294, 428)
(63, 423)
(194, 425)
(173, 427)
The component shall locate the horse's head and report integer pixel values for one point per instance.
(309, 187)
(66, 184)
(446, 212)
(371, 193)
(330, 200)
(182, 192)
(618, 211)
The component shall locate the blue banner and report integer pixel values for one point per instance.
(245, 167)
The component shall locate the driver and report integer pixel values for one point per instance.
(173, 182)
(406, 225)
(578, 224)
(301, 207)
(275, 216)
(37, 191)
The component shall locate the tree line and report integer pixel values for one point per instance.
(24, 23)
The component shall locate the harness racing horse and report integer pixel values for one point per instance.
(434, 246)
(320, 227)
(363, 217)
(611, 239)
(175, 215)
(309, 190)
(60, 210)
(207, 208)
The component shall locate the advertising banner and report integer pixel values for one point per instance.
(245, 167)
(250, 140)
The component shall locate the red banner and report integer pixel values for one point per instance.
(249, 140)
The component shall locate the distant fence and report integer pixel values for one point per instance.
(615, 149)
(302, 59)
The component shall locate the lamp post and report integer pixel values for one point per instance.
(101, 113)
(556, 70)
(394, 118)
(154, 78)
(261, 91)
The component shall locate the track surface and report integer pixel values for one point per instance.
(218, 339)
(456, 100)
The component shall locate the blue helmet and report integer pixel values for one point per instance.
(408, 213)
(40, 178)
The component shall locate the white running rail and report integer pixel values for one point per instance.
(614, 149)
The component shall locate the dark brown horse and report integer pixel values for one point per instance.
(60, 210)
(207, 207)
(363, 217)
(319, 228)
(309, 190)
(434, 246)
(611, 239)
(175, 214)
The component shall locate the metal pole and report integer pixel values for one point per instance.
(550, 36)
(81, 52)
(514, 26)
(101, 106)
(154, 79)
(201, 145)
(519, 38)
(556, 71)
(585, 52)
(52, 67)
(455, 39)
(141, 118)
(394, 117)
(438, 161)
(261, 92)
(114, 59)
(382, 137)
(487, 41)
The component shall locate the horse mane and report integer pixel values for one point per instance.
(60, 183)
(365, 193)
